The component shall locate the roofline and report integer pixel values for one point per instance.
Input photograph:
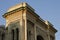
(24, 5)
(51, 25)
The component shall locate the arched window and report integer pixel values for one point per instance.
(12, 34)
(17, 33)
(39, 37)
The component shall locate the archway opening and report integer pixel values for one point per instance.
(39, 37)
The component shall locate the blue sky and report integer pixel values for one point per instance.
(47, 9)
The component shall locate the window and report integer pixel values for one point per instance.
(39, 37)
(17, 34)
(12, 34)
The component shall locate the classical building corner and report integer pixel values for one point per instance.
(22, 23)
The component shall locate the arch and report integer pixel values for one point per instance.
(39, 37)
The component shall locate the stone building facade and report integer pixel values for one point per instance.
(22, 23)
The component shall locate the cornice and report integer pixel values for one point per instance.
(13, 11)
(50, 26)
(16, 8)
